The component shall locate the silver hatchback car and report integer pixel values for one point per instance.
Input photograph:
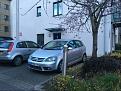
(16, 51)
(50, 57)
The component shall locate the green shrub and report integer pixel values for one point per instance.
(75, 71)
(100, 65)
(116, 54)
(105, 82)
(99, 74)
(117, 46)
(64, 83)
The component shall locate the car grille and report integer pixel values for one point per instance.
(35, 67)
(37, 59)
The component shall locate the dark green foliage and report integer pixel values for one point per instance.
(63, 83)
(117, 46)
(100, 65)
(116, 54)
(96, 74)
(104, 82)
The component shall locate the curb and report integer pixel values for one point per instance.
(39, 87)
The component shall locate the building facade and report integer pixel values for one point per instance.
(116, 21)
(39, 21)
(5, 18)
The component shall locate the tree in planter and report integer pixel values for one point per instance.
(82, 12)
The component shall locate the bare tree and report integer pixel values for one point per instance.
(83, 11)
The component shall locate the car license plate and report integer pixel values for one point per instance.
(34, 64)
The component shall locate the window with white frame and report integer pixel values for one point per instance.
(6, 6)
(57, 8)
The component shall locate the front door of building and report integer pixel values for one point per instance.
(40, 39)
(56, 36)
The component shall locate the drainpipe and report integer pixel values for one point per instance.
(17, 19)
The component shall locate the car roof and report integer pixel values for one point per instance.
(64, 39)
(14, 40)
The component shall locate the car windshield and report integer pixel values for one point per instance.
(54, 45)
(4, 44)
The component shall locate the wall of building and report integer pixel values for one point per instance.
(31, 25)
(5, 18)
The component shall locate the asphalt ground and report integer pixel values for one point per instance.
(21, 78)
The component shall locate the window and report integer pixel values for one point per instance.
(56, 36)
(6, 7)
(57, 8)
(6, 29)
(5, 44)
(72, 44)
(78, 43)
(21, 45)
(38, 11)
(6, 17)
(32, 44)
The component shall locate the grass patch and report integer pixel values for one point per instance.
(100, 74)
(105, 82)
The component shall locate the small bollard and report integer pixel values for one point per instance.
(65, 52)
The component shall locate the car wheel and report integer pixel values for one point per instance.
(84, 58)
(17, 61)
(60, 67)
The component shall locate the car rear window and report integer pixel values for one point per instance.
(5, 44)
(5, 38)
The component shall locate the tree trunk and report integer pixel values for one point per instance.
(95, 38)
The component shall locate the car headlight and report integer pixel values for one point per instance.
(50, 59)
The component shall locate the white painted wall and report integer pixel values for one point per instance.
(30, 26)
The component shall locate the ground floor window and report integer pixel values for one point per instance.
(56, 36)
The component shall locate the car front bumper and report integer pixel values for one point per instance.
(42, 66)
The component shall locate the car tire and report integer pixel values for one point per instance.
(84, 58)
(17, 61)
(59, 69)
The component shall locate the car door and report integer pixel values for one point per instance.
(31, 46)
(21, 49)
(71, 51)
(79, 49)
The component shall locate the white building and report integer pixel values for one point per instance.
(35, 19)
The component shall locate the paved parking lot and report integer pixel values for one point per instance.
(21, 78)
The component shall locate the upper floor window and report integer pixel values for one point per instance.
(38, 11)
(57, 8)
(6, 17)
(6, 7)
(6, 28)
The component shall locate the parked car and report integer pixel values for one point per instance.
(50, 57)
(5, 38)
(16, 51)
